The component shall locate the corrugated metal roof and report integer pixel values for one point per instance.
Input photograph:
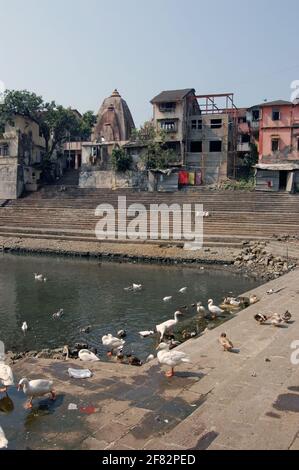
(168, 96)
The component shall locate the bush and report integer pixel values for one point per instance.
(238, 185)
(120, 160)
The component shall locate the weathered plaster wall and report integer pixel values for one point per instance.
(113, 180)
(11, 181)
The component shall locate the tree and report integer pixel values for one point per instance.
(86, 124)
(156, 154)
(57, 124)
(120, 159)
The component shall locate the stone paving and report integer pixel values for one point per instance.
(243, 400)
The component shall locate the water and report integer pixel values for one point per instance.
(92, 293)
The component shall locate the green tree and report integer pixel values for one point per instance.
(86, 124)
(120, 159)
(156, 155)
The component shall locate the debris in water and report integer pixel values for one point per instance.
(72, 407)
(88, 410)
(80, 373)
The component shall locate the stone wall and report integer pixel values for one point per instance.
(11, 181)
(113, 180)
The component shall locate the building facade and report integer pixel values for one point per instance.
(21, 151)
(278, 146)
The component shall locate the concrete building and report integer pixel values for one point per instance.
(200, 129)
(171, 112)
(21, 151)
(278, 146)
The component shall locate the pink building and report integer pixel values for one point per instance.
(278, 167)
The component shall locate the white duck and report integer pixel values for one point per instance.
(36, 388)
(232, 301)
(24, 327)
(146, 334)
(200, 309)
(183, 290)
(38, 277)
(6, 375)
(168, 325)
(113, 343)
(137, 287)
(167, 299)
(58, 314)
(3, 440)
(213, 309)
(171, 358)
(87, 356)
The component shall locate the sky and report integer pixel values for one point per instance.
(77, 51)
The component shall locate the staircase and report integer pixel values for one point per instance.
(70, 214)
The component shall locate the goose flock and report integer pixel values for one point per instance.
(167, 354)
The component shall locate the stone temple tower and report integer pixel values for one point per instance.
(114, 121)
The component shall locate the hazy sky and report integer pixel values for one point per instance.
(77, 51)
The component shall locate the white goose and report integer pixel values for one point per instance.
(38, 277)
(168, 325)
(213, 309)
(167, 299)
(113, 343)
(24, 327)
(6, 375)
(36, 388)
(171, 358)
(3, 440)
(87, 356)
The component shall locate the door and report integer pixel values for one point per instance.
(283, 177)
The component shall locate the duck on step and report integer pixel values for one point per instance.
(36, 388)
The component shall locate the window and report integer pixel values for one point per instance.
(298, 144)
(168, 126)
(275, 145)
(216, 123)
(167, 107)
(245, 138)
(216, 146)
(242, 120)
(40, 132)
(275, 115)
(196, 146)
(196, 124)
(256, 115)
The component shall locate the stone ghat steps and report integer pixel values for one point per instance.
(235, 216)
(208, 242)
(131, 194)
(81, 217)
(240, 231)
